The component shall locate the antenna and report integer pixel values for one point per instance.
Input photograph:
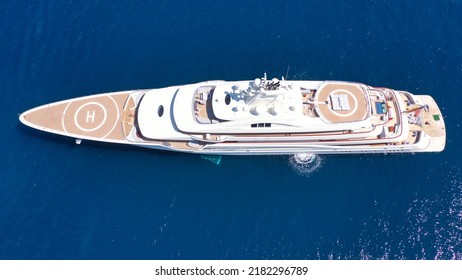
(287, 73)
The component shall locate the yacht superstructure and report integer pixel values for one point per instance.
(253, 117)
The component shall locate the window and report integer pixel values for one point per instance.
(260, 125)
(227, 99)
(160, 111)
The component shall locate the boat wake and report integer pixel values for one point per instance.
(305, 164)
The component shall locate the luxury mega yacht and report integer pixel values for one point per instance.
(253, 117)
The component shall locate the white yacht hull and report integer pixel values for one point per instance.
(184, 119)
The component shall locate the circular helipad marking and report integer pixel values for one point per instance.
(349, 112)
(90, 116)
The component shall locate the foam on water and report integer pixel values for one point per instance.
(305, 165)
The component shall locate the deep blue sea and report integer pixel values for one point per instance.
(59, 200)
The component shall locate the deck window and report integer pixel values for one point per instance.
(260, 125)
(160, 111)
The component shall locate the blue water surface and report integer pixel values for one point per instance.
(59, 200)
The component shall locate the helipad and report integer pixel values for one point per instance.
(95, 118)
(341, 102)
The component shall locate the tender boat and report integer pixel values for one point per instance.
(253, 117)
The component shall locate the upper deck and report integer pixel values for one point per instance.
(257, 100)
(341, 102)
(276, 106)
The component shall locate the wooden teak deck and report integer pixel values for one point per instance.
(93, 117)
